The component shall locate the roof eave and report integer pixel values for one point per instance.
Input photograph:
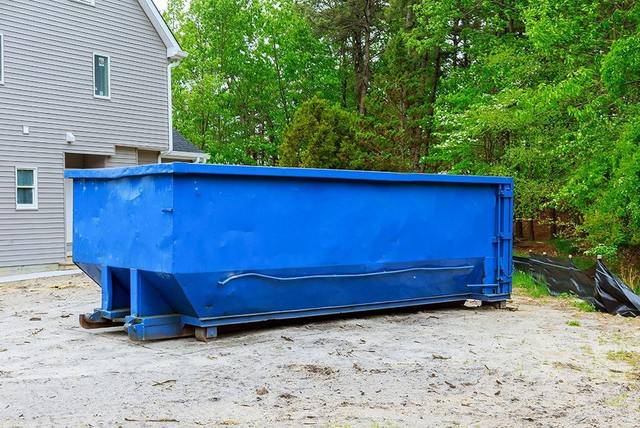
(176, 55)
(174, 51)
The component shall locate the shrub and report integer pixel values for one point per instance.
(322, 135)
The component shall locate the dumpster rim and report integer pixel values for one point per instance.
(180, 168)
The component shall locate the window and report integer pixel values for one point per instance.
(1, 59)
(26, 188)
(101, 76)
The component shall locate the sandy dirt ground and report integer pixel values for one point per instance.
(529, 366)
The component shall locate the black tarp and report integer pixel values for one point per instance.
(614, 295)
(606, 292)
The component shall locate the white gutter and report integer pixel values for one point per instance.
(190, 156)
(171, 66)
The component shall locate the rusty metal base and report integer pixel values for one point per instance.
(95, 321)
(203, 334)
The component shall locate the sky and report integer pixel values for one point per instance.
(162, 4)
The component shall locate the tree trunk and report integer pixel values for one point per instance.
(281, 88)
(519, 229)
(344, 85)
(433, 93)
(532, 232)
(554, 223)
(366, 60)
(358, 67)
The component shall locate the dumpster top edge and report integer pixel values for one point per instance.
(279, 172)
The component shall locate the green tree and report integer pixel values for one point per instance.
(322, 135)
(355, 31)
(250, 65)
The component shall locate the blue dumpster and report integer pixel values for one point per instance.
(182, 249)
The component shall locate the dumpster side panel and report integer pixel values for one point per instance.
(251, 245)
(235, 223)
(124, 223)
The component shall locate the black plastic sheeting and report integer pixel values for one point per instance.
(606, 292)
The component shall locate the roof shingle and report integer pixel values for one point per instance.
(181, 144)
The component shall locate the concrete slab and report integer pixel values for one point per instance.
(37, 275)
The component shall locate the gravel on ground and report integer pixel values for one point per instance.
(541, 362)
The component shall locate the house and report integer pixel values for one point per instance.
(83, 84)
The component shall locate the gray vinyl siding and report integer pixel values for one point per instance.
(35, 237)
(48, 86)
(146, 157)
(124, 156)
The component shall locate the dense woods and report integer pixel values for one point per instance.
(546, 91)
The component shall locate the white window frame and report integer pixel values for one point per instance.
(93, 61)
(34, 205)
(1, 59)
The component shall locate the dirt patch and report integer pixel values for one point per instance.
(313, 369)
(440, 367)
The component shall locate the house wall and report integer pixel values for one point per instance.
(146, 157)
(124, 156)
(48, 58)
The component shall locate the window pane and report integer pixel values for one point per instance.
(25, 196)
(101, 66)
(25, 177)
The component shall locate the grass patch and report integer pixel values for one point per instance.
(631, 276)
(564, 246)
(583, 306)
(520, 253)
(527, 283)
(617, 401)
(573, 323)
(629, 357)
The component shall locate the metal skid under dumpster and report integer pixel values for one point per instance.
(182, 249)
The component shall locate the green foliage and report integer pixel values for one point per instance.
(250, 65)
(321, 135)
(621, 68)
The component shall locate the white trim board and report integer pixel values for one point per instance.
(108, 57)
(33, 206)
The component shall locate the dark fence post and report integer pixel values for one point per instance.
(554, 223)
(532, 232)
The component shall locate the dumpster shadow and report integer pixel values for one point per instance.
(237, 329)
